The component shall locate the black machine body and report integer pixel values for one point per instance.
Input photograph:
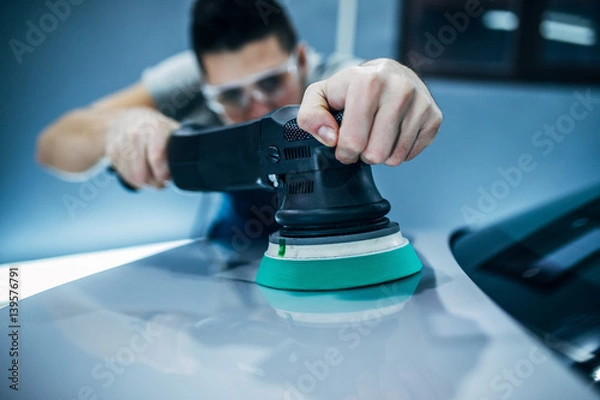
(317, 195)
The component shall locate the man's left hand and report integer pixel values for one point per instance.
(389, 114)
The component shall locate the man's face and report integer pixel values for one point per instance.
(256, 79)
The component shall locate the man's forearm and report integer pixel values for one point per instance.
(75, 142)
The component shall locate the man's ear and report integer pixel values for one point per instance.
(302, 52)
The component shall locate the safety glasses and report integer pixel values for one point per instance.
(264, 86)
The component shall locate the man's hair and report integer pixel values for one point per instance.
(228, 25)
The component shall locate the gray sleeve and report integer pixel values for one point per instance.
(174, 84)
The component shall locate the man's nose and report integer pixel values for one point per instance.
(259, 106)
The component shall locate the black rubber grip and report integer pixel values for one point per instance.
(293, 133)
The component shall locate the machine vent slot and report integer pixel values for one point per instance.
(294, 153)
(301, 187)
(293, 133)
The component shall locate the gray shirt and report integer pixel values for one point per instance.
(174, 84)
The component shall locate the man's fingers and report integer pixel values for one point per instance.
(409, 130)
(386, 128)
(157, 156)
(314, 115)
(389, 114)
(362, 102)
(135, 169)
(427, 134)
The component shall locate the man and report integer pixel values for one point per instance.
(247, 61)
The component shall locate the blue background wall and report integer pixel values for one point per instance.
(103, 46)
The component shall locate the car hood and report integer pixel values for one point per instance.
(192, 323)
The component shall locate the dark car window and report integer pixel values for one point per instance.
(533, 40)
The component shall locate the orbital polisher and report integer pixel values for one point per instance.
(334, 231)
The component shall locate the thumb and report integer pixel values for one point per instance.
(314, 115)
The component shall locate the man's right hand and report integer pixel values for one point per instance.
(135, 144)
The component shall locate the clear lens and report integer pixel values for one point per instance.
(271, 84)
(234, 97)
(231, 97)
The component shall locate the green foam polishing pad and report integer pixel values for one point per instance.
(337, 266)
(341, 306)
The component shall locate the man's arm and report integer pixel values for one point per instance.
(125, 127)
